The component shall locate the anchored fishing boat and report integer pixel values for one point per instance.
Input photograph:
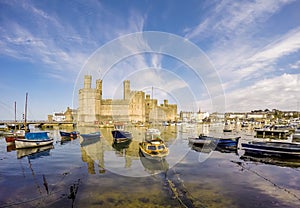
(119, 134)
(154, 149)
(227, 143)
(152, 134)
(34, 139)
(18, 133)
(72, 134)
(201, 140)
(90, 138)
(281, 149)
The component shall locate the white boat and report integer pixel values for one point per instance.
(152, 133)
(34, 139)
(296, 135)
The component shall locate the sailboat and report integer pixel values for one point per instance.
(20, 133)
(34, 139)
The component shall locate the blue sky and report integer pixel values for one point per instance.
(254, 47)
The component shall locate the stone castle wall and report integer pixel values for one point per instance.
(134, 106)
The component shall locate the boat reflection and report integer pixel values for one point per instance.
(201, 148)
(226, 150)
(11, 147)
(65, 140)
(283, 162)
(120, 146)
(154, 166)
(35, 152)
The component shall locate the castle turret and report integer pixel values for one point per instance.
(99, 88)
(126, 84)
(165, 102)
(87, 81)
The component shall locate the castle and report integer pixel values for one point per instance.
(134, 107)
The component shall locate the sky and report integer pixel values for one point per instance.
(246, 57)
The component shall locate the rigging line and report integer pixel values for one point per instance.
(266, 179)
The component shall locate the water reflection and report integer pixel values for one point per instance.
(154, 166)
(34, 152)
(278, 161)
(121, 146)
(65, 139)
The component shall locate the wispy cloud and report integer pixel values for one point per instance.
(57, 43)
(234, 17)
(242, 59)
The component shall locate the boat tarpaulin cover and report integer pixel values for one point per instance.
(37, 136)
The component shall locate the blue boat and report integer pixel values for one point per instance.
(219, 143)
(278, 149)
(90, 138)
(72, 134)
(227, 143)
(119, 134)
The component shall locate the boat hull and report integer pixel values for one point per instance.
(72, 134)
(88, 139)
(158, 150)
(281, 149)
(120, 134)
(28, 143)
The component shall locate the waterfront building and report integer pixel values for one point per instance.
(190, 116)
(68, 116)
(134, 107)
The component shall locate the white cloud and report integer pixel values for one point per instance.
(279, 92)
(235, 17)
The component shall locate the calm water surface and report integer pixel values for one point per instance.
(76, 173)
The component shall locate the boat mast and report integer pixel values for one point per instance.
(15, 115)
(25, 116)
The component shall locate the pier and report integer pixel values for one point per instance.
(277, 134)
(38, 123)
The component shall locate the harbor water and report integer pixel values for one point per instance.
(72, 173)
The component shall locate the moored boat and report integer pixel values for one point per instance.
(119, 134)
(154, 149)
(72, 134)
(34, 139)
(296, 135)
(18, 134)
(227, 128)
(90, 138)
(152, 134)
(201, 140)
(227, 143)
(281, 149)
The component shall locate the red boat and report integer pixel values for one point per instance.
(19, 134)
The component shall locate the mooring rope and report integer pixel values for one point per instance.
(266, 179)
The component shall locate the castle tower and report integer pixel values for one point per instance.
(87, 81)
(99, 88)
(166, 103)
(126, 87)
(86, 103)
